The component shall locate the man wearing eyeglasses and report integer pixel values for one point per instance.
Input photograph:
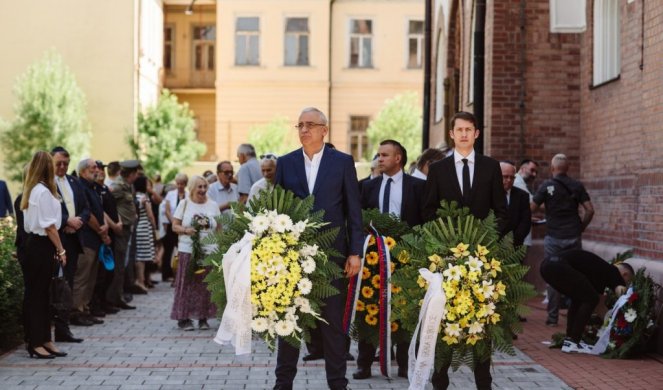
(268, 168)
(329, 176)
(223, 192)
(517, 205)
(249, 170)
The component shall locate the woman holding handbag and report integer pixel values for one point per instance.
(194, 219)
(42, 213)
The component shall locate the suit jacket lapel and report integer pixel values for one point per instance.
(451, 167)
(404, 193)
(478, 174)
(376, 192)
(325, 163)
(300, 171)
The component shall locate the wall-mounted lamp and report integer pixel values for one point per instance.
(189, 9)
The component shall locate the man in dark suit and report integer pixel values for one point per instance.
(329, 176)
(517, 204)
(393, 192)
(75, 213)
(474, 181)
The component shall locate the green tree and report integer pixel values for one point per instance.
(166, 138)
(50, 111)
(276, 136)
(400, 120)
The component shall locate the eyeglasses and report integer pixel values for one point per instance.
(307, 125)
(268, 156)
(62, 163)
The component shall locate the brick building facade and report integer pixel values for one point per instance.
(595, 95)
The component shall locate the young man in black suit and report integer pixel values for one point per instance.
(393, 192)
(474, 181)
(517, 205)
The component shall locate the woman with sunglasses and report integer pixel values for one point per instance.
(194, 219)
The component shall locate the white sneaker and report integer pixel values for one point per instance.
(571, 347)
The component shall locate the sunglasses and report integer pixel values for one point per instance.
(268, 156)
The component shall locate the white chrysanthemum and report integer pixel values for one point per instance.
(452, 330)
(304, 286)
(299, 227)
(475, 264)
(476, 327)
(308, 265)
(259, 324)
(282, 223)
(303, 304)
(308, 250)
(259, 224)
(284, 328)
(630, 315)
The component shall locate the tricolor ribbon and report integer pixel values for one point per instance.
(604, 333)
(421, 360)
(384, 298)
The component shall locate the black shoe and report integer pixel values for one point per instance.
(81, 321)
(95, 320)
(349, 357)
(37, 355)
(362, 373)
(97, 312)
(55, 353)
(126, 306)
(312, 356)
(551, 323)
(402, 373)
(522, 319)
(127, 297)
(282, 387)
(67, 338)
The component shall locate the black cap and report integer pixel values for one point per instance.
(130, 164)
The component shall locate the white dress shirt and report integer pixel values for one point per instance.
(519, 182)
(418, 174)
(222, 195)
(43, 210)
(459, 167)
(311, 167)
(67, 194)
(395, 194)
(259, 186)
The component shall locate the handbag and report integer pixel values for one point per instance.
(175, 260)
(60, 292)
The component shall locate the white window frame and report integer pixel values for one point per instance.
(568, 16)
(297, 35)
(420, 44)
(361, 63)
(607, 41)
(247, 34)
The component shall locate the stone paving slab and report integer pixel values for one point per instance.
(143, 349)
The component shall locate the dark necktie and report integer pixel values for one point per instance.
(385, 197)
(466, 183)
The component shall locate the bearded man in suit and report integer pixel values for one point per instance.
(473, 181)
(330, 176)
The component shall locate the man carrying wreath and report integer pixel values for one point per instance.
(473, 181)
(329, 176)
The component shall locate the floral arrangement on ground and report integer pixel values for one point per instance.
(367, 315)
(290, 269)
(11, 287)
(482, 281)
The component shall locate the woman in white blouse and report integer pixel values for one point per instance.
(43, 250)
(195, 215)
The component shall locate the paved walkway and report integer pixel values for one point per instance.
(143, 349)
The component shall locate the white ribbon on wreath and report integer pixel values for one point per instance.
(235, 328)
(604, 333)
(430, 317)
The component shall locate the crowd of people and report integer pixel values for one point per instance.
(149, 226)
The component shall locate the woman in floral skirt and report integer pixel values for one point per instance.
(194, 219)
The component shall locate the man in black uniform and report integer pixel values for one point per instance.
(582, 276)
(562, 197)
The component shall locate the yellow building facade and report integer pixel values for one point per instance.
(237, 63)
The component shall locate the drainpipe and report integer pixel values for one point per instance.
(428, 48)
(329, 72)
(521, 98)
(479, 61)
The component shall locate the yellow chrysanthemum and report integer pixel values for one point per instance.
(372, 258)
(361, 306)
(371, 320)
(396, 289)
(365, 273)
(371, 241)
(375, 281)
(390, 242)
(367, 292)
(372, 309)
(392, 267)
(394, 326)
